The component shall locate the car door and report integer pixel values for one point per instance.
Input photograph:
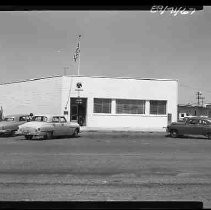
(191, 126)
(64, 126)
(204, 127)
(57, 126)
(199, 127)
(18, 121)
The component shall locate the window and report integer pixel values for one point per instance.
(193, 121)
(23, 118)
(102, 105)
(158, 107)
(124, 106)
(9, 119)
(203, 122)
(209, 121)
(55, 119)
(62, 120)
(39, 118)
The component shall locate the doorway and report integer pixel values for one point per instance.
(78, 110)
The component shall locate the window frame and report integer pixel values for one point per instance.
(43, 118)
(60, 119)
(109, 107)
(143, 106)
(55, 121)
(157, 113)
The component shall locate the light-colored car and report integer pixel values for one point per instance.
(48, 126)
(191, 126)
(11, 122)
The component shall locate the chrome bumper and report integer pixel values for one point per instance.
(5, 131)
(30, 133)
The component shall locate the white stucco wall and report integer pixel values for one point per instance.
(52, 95)
(114, 88)
(35, 96)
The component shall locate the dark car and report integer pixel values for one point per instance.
(11, 122)
(191, 126)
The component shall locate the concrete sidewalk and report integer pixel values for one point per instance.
(126, 129)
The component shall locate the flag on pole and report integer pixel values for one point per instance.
(77, 51)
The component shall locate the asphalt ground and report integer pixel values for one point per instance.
(106, 166)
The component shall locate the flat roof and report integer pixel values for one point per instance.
(54, 76)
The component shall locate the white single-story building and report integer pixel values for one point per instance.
(97, 102)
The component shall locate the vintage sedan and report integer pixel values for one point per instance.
(11, 122)
(191, 126)
(48, 126)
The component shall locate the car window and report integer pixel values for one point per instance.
(39, 118)
(55, 119)
(9, 119)
(23, 118)
(63, 120)
(209, 122)
(204, 122)
(201, 122)
(193, 121)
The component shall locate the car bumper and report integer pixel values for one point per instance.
(4, 132)
(30, 133)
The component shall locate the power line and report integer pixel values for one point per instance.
(194, 88)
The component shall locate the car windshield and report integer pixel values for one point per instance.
(209, 121)
(9, 119)
(39, 118)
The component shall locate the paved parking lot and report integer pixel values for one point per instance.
(105, 166)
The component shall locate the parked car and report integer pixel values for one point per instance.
(191, 126)
(10, 123)
(48, 126)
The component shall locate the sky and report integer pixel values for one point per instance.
(141, 44)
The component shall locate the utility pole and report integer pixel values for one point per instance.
(202, 100)
(199, 97)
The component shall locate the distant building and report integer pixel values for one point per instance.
(208, 106)
(114, 103)
(190, 110)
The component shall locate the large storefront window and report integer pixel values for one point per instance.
(102, 105)
(158, 107)
(124, 106)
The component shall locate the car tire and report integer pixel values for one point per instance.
(209, 136)
(48, 135)
(76, 132)
(174, 133)
(28, 137)
(12, 133)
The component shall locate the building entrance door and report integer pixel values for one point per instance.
(78, 110)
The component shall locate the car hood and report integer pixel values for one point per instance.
(33, 124)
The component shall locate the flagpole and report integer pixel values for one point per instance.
(79, 55)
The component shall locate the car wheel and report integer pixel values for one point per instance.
(12, 133)
(48, 135)
(174, 133)
(76, 132)
(209, 136)
(28, 137)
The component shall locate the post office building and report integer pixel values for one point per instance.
(96, 102)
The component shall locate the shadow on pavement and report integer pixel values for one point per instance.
(188, 137)
(41, 139)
